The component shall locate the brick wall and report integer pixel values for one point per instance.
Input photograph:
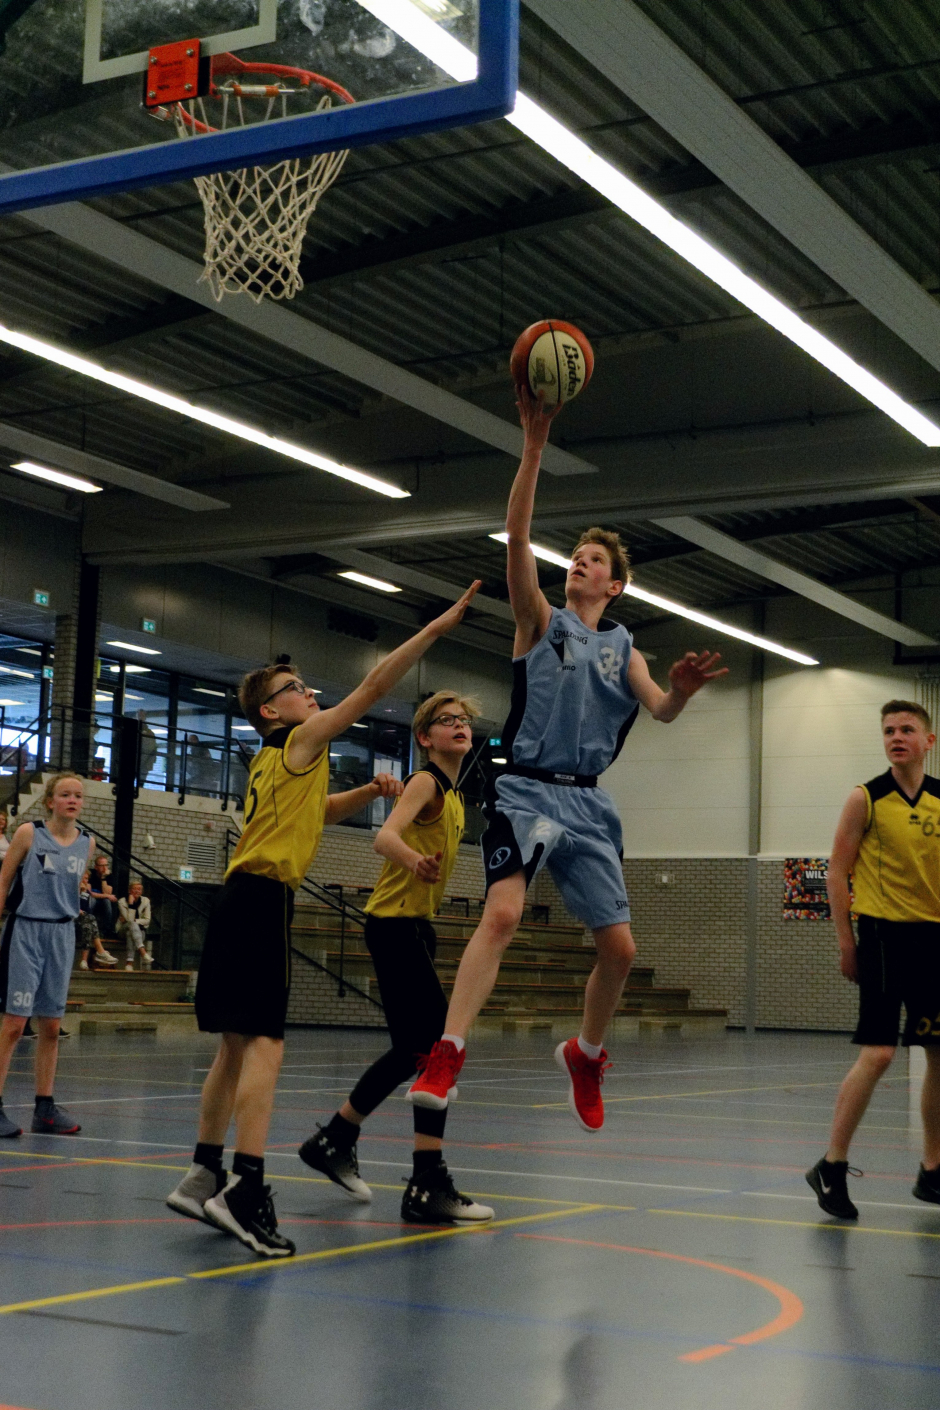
(314, 999)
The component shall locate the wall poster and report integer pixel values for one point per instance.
(804, 888)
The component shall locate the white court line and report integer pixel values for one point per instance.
(103, 1101)
(578, 1179)
(863, 1203)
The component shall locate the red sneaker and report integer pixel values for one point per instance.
(584, 1092)
(435, 1085)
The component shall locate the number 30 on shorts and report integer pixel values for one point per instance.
(22, 998)
(927, 1028)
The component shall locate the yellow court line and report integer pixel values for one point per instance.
(796, 1223)
(684, 1096)
(272, 1265)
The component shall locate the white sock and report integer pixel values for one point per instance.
(458, 1043)
(591, 1050)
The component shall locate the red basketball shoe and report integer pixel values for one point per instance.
(584, 1092)
(436, 1084)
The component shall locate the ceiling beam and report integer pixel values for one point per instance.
(80, 462)
(108, 239)
(634, 54)
(730, 549)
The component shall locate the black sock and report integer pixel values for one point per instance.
(425, 1161)
(344, 1133)
(249, 1167)
(208, 1155)
(44, 1101)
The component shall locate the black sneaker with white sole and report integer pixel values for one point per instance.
(321, 1152)
(197, 1185)
(927, 1186)
(247, 1211)
(827, 1180)
(433, 1198)
(8, 1127)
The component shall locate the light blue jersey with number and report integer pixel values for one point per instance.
(47, 883)
(572, 705)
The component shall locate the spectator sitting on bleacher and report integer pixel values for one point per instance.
(4, 840)
(135, 917)
(103, 903)
(86, 928)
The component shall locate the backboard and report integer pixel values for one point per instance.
(76, 78)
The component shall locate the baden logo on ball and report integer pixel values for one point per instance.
(554, 359)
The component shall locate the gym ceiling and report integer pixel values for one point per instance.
(428, 256)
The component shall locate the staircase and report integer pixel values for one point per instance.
(124, 1001)
(541, 979)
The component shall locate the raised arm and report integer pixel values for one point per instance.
(22, 841)
(848, 839)
(420, 793)
(686, 678)
(310, 738)
(530, 606)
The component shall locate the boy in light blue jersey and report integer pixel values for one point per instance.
(577, 687)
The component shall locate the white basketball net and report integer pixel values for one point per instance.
(256, 218)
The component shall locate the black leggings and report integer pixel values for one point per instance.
(402, 950)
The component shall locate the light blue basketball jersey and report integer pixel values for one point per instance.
(46, 885)
(572, 705)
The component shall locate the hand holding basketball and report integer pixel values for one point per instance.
(553, 360)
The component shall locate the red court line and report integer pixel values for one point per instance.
(791, 1308)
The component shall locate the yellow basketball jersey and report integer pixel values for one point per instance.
(399, 892)
(897, 872)
(284, 813)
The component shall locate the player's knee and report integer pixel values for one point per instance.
(503, 917)
(877, 1059)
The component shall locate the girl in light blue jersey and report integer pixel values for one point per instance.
(39, 886)
(577, 687)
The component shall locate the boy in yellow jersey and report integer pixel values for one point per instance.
(244, 974)
(419, 843)
(888, 842)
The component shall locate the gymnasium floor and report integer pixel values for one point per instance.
(677, 1259)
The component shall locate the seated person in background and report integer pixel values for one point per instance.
(135, 917)
(103, 904)
(86, 928)
(4, 840)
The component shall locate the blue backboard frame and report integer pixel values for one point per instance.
(490, 95)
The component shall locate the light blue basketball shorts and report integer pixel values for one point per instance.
(36, 959)
(575, 832)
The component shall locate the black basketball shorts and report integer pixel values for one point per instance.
(898, 963)
(245, 970)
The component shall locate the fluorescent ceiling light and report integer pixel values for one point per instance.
(560, 561)
(204, 690)
(423, 34)
(130, 670)
(57, 477)
(500, 761)
(129, 646)
(366, 581)
(356, 725)
(27, 650)
(251, 727)
(12, 671)
(100, 696)
(12, 702)
(128, 696)
(228, 424)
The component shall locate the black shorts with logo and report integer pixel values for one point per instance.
(244, 973)
(898, 963)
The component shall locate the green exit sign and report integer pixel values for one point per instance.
(496, 740)
(186, 873)
(41, 597)
(148, 625)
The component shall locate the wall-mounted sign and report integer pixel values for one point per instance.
(186, 873)
(147, 624)
(47, 673)
(804, 888)
(41, 597)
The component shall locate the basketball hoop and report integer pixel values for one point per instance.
(256, 217)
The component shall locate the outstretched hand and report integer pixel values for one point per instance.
(387, 786)
(429, 868)
(450, 619)
(695, 670)
(535, 416)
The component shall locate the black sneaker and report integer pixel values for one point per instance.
(433, 1198)
(827, 1180)
(248, 1213)
(322, 1153)
(8, 1127)
(51, 1120)
(927, 1186)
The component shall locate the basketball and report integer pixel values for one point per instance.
(554, 358)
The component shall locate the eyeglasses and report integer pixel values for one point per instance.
(297, 686)
(448, 720)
